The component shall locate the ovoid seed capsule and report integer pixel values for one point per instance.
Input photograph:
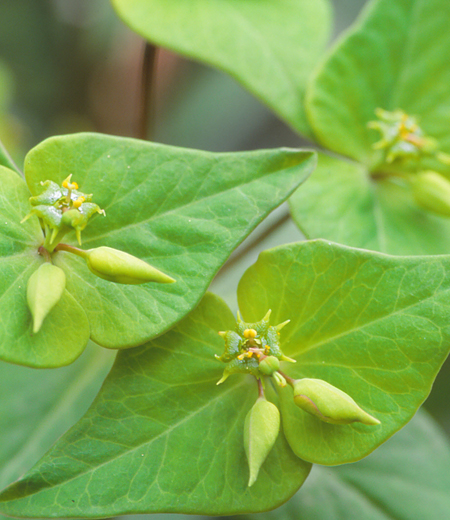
(261, 428)
(117, 266)
(269, 365)
(431, 191)
(328, 403)
(44, 290)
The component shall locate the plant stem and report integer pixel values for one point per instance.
(71, 249)
(147, 89)
(260, 388)
(43, 252)
(289, 380)
(50, 244)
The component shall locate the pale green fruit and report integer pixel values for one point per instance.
(432, 192)
(261, 428)
(269, 365)
(328, 403)
(117, 266)
(44, 290)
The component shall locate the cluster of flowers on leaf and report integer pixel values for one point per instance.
(62, 209)
(407, 151)
(254, 348)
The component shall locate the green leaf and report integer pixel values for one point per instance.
(36, 407)
(405, 478)
(396, 56)
(6, 87)
(183, 211)
(341, 203)
(162, 437)
(374, 326)
(249, 40)
(6, 160)
(65, 334)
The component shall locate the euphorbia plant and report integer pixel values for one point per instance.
(172, 207)
(336, 348)
(361, 322)
(393, 58)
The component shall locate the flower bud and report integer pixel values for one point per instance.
(328, 403)
(269, 365)
(117, 266)
(261, 428)
(432, 192)
(44, 290)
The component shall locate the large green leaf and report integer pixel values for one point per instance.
(406, 478)
(161, 437)
(253, 40)
(340, 202)
(36, 407)
(66, 331)
(375, 326)
(396, 56)
(183, 211)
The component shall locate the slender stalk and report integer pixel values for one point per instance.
(50, 243)
(289, 380)
(71, 249)
(241, 253)
(43, 252)
(147, 87)
(260, 388)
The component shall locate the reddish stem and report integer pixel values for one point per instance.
(43, 252)
(260, 388)
(289, 380)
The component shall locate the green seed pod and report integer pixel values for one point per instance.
(269, 365)
(261, 428)
(117, 266)
(328, 403)
(432, 192)
(44, 290)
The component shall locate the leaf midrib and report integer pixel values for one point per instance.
(361, 327)
(68, 396)
(183, 207)
(137, 447)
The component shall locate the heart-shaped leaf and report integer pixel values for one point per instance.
(250, 40)
(162, 437)
(405, 478)
(181, 210)
(340, 202)
(374, 326)
(65, 334)
(30, 420)
(395, 57)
